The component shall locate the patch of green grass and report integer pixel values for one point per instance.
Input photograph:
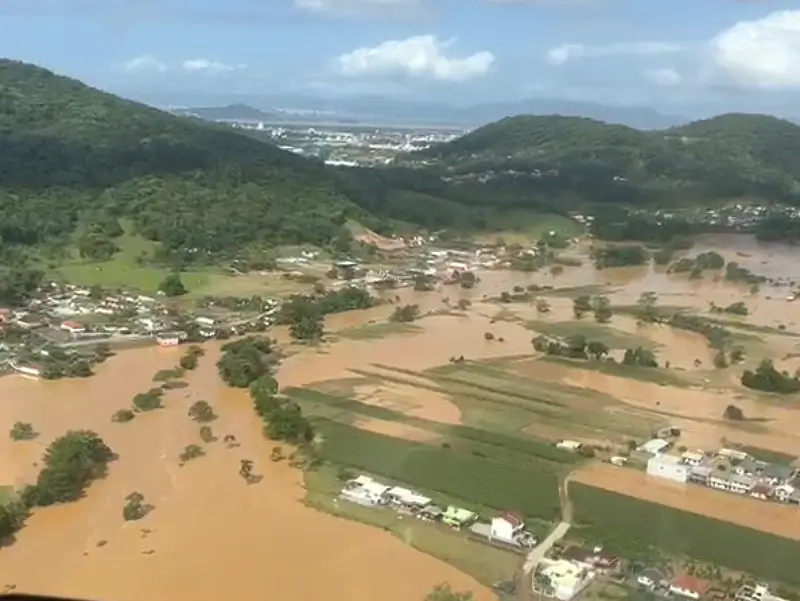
(525, 227)
(122, 270)
(484, 563)
(499, 480)
(7, 493)
(749, 327)
(605, 333)
(634, 528)
(374, 331)
(656, 375)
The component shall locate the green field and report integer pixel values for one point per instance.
(485, 563)
(591, 330)
(374, 331)
(524, 227)
(478, 475)
(638, 529)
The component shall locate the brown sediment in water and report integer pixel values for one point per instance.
(774, 518)
(213, 535)
(411, 401)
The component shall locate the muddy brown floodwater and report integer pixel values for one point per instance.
(211, 535)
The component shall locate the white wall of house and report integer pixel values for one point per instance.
(668, 467)
(503, 529)
(683, 592)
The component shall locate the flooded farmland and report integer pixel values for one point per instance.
(210, 534)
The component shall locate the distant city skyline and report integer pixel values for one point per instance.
(681, 57)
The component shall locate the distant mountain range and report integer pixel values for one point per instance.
(387, 111)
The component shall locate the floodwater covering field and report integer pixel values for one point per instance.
(210, 534)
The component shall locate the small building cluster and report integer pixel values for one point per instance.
(574, 569)
(731, 471)
(507, 529)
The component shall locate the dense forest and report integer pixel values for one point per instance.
(75, 161)
(730, 156)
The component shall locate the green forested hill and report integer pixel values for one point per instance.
(71, 155)
(726, 157)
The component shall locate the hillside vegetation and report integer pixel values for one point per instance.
(729, 156)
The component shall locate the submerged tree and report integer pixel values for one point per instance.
(246, 470)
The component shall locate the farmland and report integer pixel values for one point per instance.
(636, 528)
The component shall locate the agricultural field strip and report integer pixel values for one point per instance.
(522, 448)
(635, 528)
(455, 474)
(549, 402)
(605, 333)
(656, 375)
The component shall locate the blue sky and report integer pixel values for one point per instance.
(735, 54)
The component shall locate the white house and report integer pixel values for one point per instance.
(689, 587)
(566, 578)
(507, 526)
(168, 340)
(668, 467)
(693, 458)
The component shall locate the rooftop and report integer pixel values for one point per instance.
(691, 583)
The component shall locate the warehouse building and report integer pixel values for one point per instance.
(669, 468)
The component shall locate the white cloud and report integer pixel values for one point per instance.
(417, 56)
(664, 76)
(207, 66)
(764, 53)
(361, 8)
(143, 64)
(561, 55)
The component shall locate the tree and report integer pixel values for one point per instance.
(648, 308)
(148, 401)
(12, 518)
(733, 413)
(445, 592)
(720, 360)
(246, 470)
(191, 451)
(172, 285)
(602, 309)
(597, 350)
(207, 434)
(542, 306)
(71, 462)
(768, 379)
(581, 305)
(639, 356)
(310, 327)
(22, 431)
(244, 361)
(202, 412)
(276, 454)
(405, 314)
(123, 416)
(135, 508)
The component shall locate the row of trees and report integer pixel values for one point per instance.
(284, 420)
(600, 306)
(305, 313)
(767, 378)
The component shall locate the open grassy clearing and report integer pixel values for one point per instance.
(485, 563)
(636, 528)
(656, 375)
(375, 331)
(479, 475)
(591, 330)
(124, 271)
(526, 228)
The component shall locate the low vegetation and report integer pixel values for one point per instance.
(22, 431)
(405, 314)
(620, 256)
(148, 401)
(768, 379)
(634, 528)
(202, 412)
(135, 507)
(284, 420)
(191, 451)
(123, 416)
(191, 357)
(304, 313)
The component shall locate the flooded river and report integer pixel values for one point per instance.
(211, 535)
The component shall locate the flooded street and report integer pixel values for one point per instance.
(212, 535)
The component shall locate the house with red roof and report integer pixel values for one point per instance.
(73, 327)
(507, 526)
(689, 586)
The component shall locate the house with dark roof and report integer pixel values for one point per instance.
(778, 473)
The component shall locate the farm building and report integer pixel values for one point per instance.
(655, 446)
(73, 327)
(668, 467)
(406, 498)
(364, 491)
(688, 586)
(507, 526)
(569, 445)
(566, 578)
(458, 517)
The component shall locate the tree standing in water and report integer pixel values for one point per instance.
(246, 470)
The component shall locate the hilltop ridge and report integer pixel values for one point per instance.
(727, 156)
